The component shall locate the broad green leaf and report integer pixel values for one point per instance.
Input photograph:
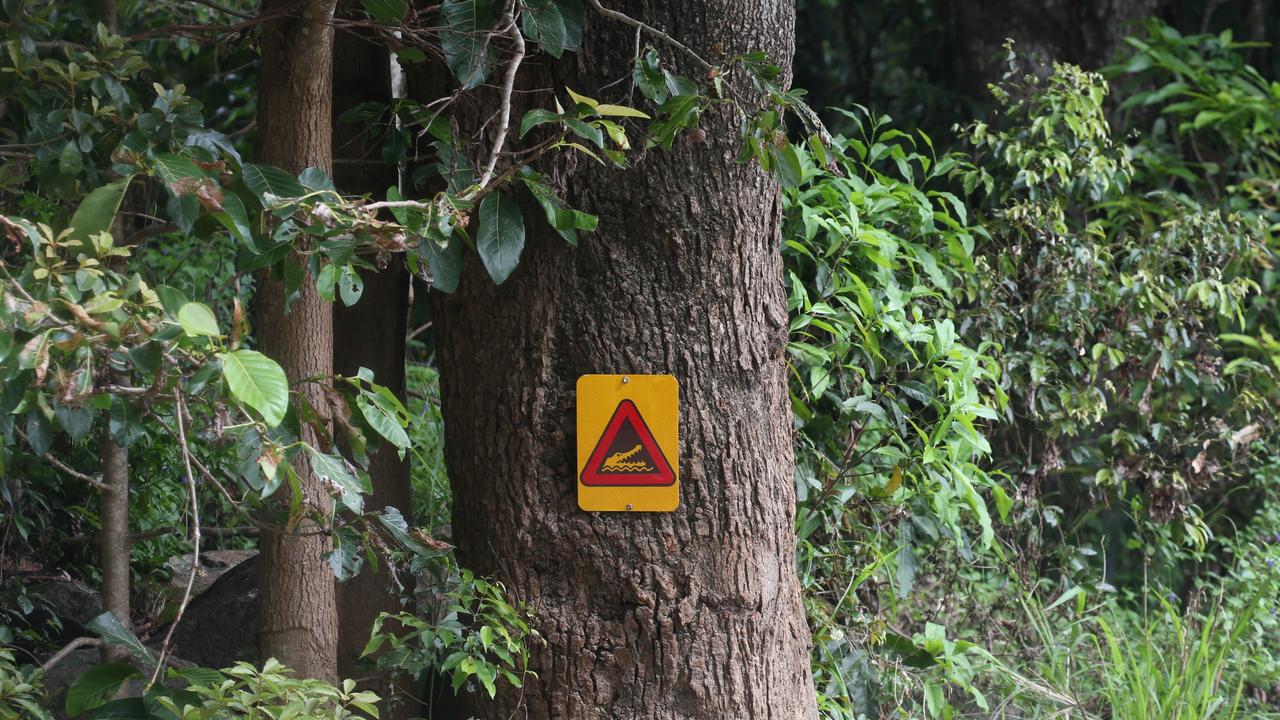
(316, 179)
(350, 286)
(70, 161)
(198, 320)
(347, 557)
(335, 470)
(266, 180)
(586, 131)
(468, 50)
(620, 111)
(97, 211)
(96, 686)
(173, 169)
(113, 632)
(574, 15)
(445, 263)
(581, 99)
(327, 281)
(500, 239)
(257, 381)
(234, 217)
(384, 417)
(391, 519)
(542, 21)
(536, 117)
(386, 12)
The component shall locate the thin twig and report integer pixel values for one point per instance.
(414, 204)
(221, 9)
(652, 31)
(204, 471)
(180, 411)
(74, 645)
(69, 471)
(508, 83)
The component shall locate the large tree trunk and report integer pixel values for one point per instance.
(689, 614)
(369, 334)
(297, 621)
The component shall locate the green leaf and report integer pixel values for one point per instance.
(586, 131)
(574, 15)
(790, 171)
(257, 381)
(347, 557)
(198, 320)
(500, 239)
(335, 470)
(394, 522)
(387, 12)
(113, 632)
(316, 179)
(96, 686)
(350, 286)
(174, 168)
(70, 161)
(536, 117)
(265, 180)
(385, 415)
(542, 21)
(465, 41)
(327, 281)
(445, 263)
(234, 217)
(130, 708)
(98, 210)
(620, 111)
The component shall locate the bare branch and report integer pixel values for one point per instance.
(414, 204)
(652, 31)
(74, 645)
(67, 470)
(180, 411)
(221, 9)
(508, 84)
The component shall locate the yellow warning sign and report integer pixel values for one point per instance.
(628, 443)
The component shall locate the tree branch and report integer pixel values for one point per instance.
(508, 84)
(652, 31)
(221, 9)
(180, 411)
(69, 471)
(70, 647)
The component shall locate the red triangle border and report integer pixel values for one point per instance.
(591, 475)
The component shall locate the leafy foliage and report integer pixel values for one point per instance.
(472, 633)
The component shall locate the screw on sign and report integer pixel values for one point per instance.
(628, 443)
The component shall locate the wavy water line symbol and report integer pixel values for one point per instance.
(619, 462)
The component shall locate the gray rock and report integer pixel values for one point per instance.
(219, 626)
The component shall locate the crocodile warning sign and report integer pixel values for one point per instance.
(628, 443)
(627, 454)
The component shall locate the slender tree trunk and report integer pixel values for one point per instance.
(297, 619)
(108, 15)
(690, 614)
(370, 334)
(113, 462)
(113, 541)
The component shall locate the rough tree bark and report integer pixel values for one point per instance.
(369, 334)
(690, 614)
(297, 621)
